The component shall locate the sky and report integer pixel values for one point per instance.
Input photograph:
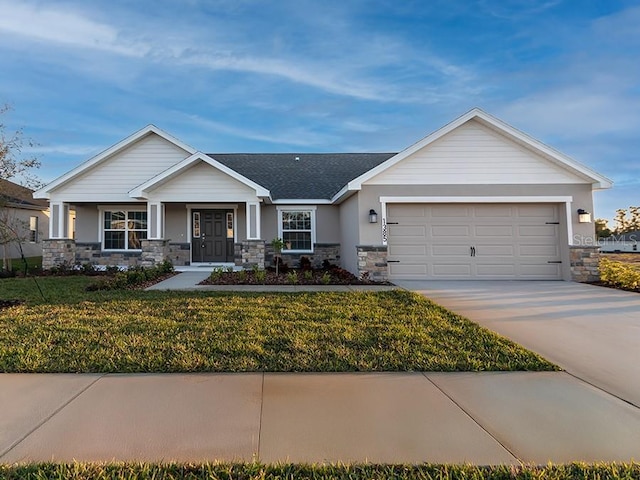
(324, 76)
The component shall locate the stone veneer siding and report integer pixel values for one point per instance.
(321, 252)
(584, 263)
(154, 252)
(180, 254)
(57, 252)
(249, 254)
(91, 252)
(372, 262)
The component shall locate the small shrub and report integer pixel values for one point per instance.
(229, 269)
(326, 278)
(260, 275)
(292, 278)
(242, 276)
(618, 274)
(216, 274)
(305, 264)
(308, 275)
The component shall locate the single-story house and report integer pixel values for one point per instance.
(23, 221)
(624, 242)
(476, 199)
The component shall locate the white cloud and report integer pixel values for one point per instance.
(70, 149)
(48, 24)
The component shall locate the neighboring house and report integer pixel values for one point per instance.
(22, 220)
(476, 199)
(624, 242)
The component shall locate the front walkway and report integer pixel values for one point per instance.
(481, 418)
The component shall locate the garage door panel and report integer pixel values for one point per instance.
(550, 250)
(450, 230)
(495, 251)
(448, 211)
(494, 231)
(511, 241)
(450, 250)
(451, 270)
(406, 250)
(493, 211)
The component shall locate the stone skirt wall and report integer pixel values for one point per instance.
(179, 254)
(584, 263)
(372, 262)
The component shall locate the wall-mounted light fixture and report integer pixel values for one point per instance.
(373, 216)
(584, 216)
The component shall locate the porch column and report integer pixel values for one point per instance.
(253, 221)
(59, 220)
(155, 220)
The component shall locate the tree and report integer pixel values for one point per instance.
(626, 223)
(602, 229)
(14, 167)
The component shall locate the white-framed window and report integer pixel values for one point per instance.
(297, 228)
(124, 229)
(33, 229)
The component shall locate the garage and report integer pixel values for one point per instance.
(474, 241)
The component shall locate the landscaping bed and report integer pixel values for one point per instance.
(330, 275)
(72, 330)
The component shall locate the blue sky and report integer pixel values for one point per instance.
(323, 76)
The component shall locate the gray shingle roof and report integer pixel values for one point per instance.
(312, 176)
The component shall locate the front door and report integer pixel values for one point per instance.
(212, 236)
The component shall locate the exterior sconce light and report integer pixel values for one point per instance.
(373, 216)
(584, 216)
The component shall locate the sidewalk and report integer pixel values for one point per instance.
(481, 418)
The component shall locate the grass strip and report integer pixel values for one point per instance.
(251, 471)
(137, 331)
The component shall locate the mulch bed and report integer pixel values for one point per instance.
(603, 284)
(336, 275)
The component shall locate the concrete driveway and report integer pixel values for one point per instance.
(591, 332)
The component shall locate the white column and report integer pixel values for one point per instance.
(253, 220)
(59, 220)
(155, 220)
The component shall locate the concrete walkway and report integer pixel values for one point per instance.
(481, 418)
(591, 332)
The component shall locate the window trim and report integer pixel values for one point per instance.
(34, 236)
(298, 208)
(120, 208)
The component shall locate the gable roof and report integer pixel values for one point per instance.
(18, 196)
(598, 181)
(298, 176)
(45, 191)
(141, 190)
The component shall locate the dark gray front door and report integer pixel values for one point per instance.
(212, 236)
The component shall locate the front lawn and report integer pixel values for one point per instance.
(136, 331)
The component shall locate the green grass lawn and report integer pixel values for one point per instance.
(256, 471)
(135, 331)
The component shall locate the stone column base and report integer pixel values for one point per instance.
(372, 262)
(58, 251)
(154, 252)
(584, 263)
(249, 254)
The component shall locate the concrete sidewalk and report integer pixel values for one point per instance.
(481, 418)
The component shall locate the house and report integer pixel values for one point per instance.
(23, 221)
(476, 199)
(624, 242)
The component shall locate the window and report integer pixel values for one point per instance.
(124, 230)
(296, 228)
(33, 229)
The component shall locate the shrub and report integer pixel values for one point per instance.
(132, 277)
(292, 278)
(260, 275)
(305, 263)
(308, 275)
(242, 276)
(620, 275)
(326, 278)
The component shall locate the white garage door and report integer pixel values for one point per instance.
(480, 241)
